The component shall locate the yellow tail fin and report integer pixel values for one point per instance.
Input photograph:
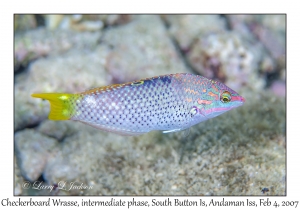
(62, 105)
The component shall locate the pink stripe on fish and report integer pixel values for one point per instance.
(204, 101)
(238, 98)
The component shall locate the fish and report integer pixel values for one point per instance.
(169, 103)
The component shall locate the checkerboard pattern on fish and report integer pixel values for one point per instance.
(169, 103)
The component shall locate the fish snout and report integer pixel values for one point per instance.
(243, 99)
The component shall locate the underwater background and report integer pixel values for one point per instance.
(238, 153)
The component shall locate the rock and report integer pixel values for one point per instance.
(32, 151)
(18, 179)
(57, 129)
(119, 19)
(63, 129)
(86, 22)
(42, 42)
(53, 21)
(186, 28)
(275, 23)
(73, 22)
(141, 49)
(240, 24)
(279, 88)
(104, 160)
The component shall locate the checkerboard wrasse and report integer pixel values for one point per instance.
(168, 103)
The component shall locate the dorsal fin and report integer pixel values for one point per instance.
(104, 88)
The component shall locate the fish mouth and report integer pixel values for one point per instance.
(238, 100)
(242, 99)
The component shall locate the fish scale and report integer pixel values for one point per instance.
(132, 113)
(168, 103)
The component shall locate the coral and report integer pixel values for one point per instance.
(228, 58)
(268, 31)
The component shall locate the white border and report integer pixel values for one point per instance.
(154, 6)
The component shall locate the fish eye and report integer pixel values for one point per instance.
(225, 97)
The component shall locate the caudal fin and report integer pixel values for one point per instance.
(62, 105)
